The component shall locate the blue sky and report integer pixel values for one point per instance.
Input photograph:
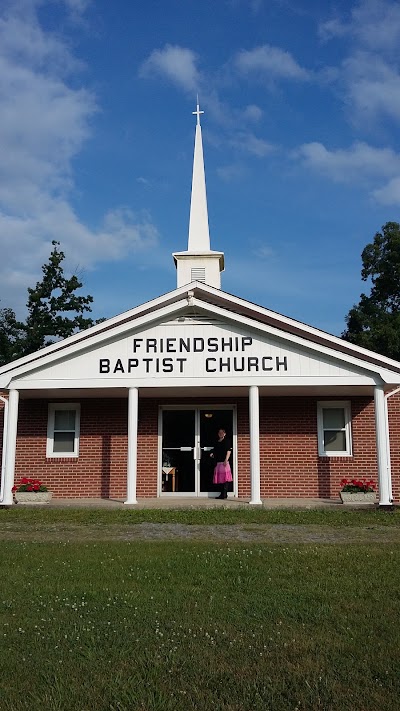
(301, 143)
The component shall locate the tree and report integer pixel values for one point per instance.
(11, 336)
(55, 311)
(374, 323)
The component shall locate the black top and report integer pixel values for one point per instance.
(221, 448)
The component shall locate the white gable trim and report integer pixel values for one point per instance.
(173, 303)
(364, 373)
(290, 338)
(301, 327)
(95, 339)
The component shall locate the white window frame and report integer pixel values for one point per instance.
(54, 407)
(328, 404)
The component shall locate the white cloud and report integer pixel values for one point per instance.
(389, 194)
(269, 63)
(374, 24)
(252, 112)
(372, 86)
(264, 252)
(77, 7)
(369, 77)
(360, 162)
(44, 121)
(231, 172)
(249, 143)
(332, 28)
(176, 63)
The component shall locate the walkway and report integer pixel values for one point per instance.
(192, 503)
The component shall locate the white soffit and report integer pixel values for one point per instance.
(216, 305)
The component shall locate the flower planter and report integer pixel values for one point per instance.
(32, 497)
(358, 497)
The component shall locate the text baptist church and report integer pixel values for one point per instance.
(154, 362)
(129, 409)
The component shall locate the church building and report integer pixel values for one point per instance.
(129, 409)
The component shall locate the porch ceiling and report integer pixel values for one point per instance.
(201, 392)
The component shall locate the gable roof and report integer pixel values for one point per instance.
(203, 297)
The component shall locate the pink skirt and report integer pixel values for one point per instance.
(222, 473)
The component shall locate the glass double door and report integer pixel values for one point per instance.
(188, 436)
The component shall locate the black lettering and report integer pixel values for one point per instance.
(208, 362)
(264, 362)
(181, 361)
(119, 368)
(252, 363)
(246, 341)
(151, 343)
(161, 345)
(147, 361)
(157, 365)
(184, 345)
(212, 344)
(236, 364)
(200, 343)
(226, 344)
(236, 343)
(171, 345)
(281, 362)
(104, 365)
(226, 364)
(167, 365)
(136, 343)
(132, 363)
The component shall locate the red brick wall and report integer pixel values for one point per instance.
(290, 465)
(100, 469)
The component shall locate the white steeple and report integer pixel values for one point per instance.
(199, 262)
(199, 236)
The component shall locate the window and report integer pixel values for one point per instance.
(334, 429)
(63, 430)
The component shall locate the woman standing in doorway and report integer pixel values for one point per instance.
(221, 453)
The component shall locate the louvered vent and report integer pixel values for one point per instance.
(198, 274)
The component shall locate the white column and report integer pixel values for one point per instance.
(382, 447)
(254, 416)
(133, 400)
(10, 444)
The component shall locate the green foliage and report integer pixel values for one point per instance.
(374, 323)
(55, 311)
(11, 336)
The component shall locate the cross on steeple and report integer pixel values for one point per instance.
(198, 112)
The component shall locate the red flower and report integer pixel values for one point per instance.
(24, 480)
(14, 489)
(29, 487)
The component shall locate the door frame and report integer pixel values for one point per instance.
(197, 494)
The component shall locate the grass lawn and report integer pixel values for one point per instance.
(170, 626)
(25, 516)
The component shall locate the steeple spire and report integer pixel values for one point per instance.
(199, 235)
(199, 262)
